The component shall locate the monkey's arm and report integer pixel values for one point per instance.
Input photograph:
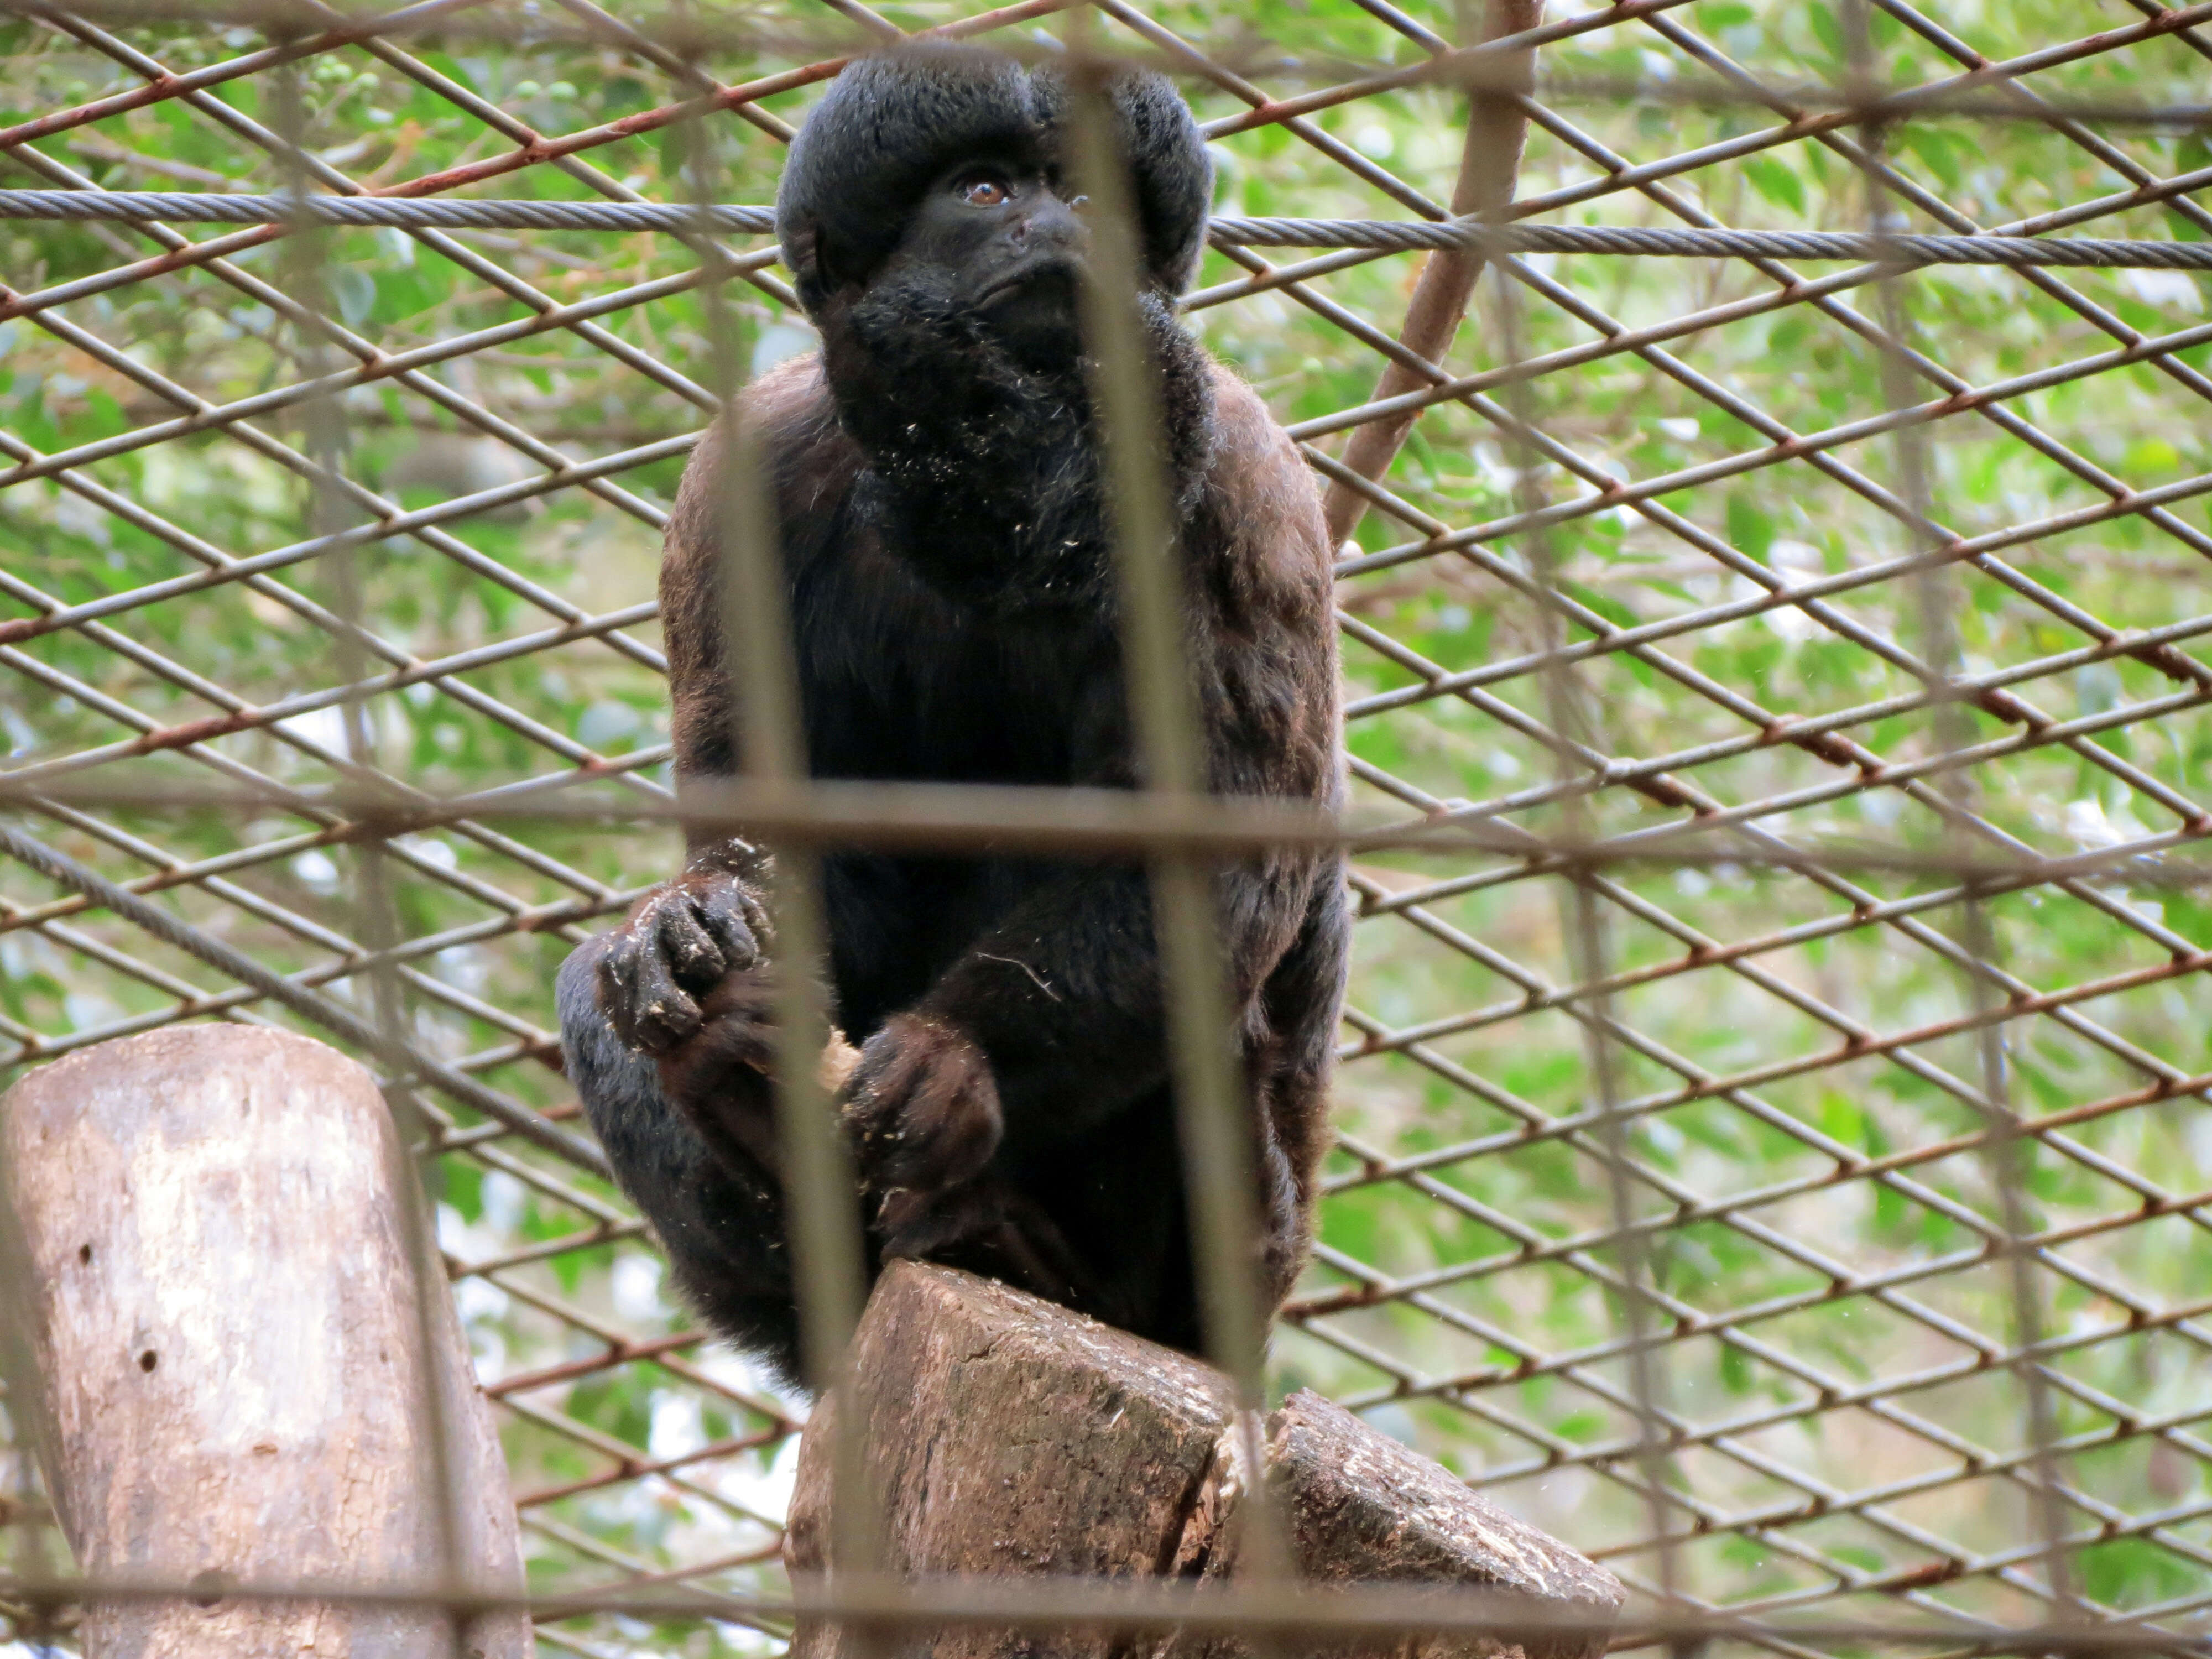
(810, 464)
(688, 1124)
(1064, 997)
(710, 920)
(691, 956)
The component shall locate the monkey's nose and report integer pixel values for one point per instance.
(1056, 223)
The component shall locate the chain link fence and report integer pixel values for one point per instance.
(1773, 1152)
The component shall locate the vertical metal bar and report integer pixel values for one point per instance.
(1569, 709)
(1213, 1106)
(1936, 589)
(302, 261)
(820, 1195)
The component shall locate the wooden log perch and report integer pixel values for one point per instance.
(1008, 1435)
(209, 1266)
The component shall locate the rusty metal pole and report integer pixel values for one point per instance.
(1497, 128)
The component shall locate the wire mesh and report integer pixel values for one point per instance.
(1773, 1152)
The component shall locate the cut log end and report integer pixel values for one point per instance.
(1363, 1509)
(1006, 1435)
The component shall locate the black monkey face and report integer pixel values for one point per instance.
(998, 242)
(892, 135)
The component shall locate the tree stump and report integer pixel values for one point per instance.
(212, 1267)
(1006, 1435)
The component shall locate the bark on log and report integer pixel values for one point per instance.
(1008, 1435)
(211, 1267)
(1489, 162)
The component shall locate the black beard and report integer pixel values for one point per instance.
(983, 463)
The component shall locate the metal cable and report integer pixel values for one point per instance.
(1391, 236)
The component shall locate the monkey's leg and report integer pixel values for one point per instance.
(988, 1226)
(717, 1207)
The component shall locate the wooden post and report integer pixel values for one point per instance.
(210, 1267)
(1009, 1435)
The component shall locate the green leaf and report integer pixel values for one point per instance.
(355, 291)
(1773, 178)
(1750, 531)
(1735, 1368)
(104, 416)
(1581, 1427)
(2153, 456)
(1940, 150)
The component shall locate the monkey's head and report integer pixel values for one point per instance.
(940, 171)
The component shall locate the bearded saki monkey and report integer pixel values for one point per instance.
(936, 477)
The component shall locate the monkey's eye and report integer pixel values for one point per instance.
(983, 189)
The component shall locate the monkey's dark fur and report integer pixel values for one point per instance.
(936, 479)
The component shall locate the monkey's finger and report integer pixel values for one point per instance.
(693, 957)
(924, 1225)
(661, 1013)
(721, 910)
(617, 987)
(1039, 1242)
(720, 1069)
(974, 1226)
(738, 1021)
(875, 1096)
(757, 919)
(1028, 1267)
(881, 1081)
(742, 897)
(746, 1043)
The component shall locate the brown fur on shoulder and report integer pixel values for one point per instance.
(1267, 594)
(1260, 466)
(791, 416)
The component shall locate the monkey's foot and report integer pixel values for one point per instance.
(987, 1227)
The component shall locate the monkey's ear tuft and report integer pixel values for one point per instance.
(1174, 176)
(888, 125)
(1171, 171)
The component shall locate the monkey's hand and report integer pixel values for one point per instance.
(719, 1076)
(678, 943)
(922, 1107)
